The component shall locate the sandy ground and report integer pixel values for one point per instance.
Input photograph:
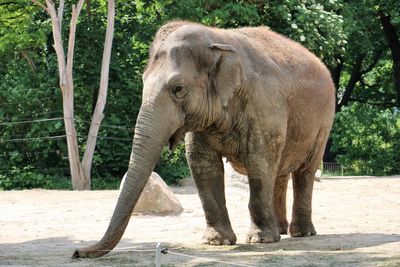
(357, 220)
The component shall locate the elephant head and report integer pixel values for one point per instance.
(190, 77)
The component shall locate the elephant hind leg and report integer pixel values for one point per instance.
(301, 224)
(280, 189)
(303, 183)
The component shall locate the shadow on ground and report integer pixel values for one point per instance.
(57, 251)
(325, 242)
(359, 177)
(322, 250)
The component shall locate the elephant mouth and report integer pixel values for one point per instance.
(176, 138)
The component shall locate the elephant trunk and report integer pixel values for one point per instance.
(147, 144)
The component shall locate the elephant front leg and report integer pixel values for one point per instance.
(261, 168)
(208, 173)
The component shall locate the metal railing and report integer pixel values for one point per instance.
(332, 168)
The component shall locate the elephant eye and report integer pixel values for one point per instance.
(178, 91)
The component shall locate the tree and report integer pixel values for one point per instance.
(368, 149)
(365, 52)
(80, 171)
(347, 35)
(393, 41)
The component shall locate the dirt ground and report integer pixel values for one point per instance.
(357, 220)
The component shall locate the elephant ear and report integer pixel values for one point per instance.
(228, 72)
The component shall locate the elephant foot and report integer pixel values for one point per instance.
(219, 236)
(283, 228)
(299, 229)
(263, 235)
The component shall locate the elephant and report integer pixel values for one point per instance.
(250, 95)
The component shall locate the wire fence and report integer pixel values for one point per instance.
(111, 126)
(24, 138)
(32, 138)
(25, 143)
(332, 168)
(328, 168)
(14, 104)
(160, 258)
(30, 121)
(44, 171)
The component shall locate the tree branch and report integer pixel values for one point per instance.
(71, 41)
(58, 45)
(61, 12)
(337, 71)
(15, 17)
(102, 95)
(354, 78)
(29, 59)
(79, 181)
(88, 9)
(375, 60)
(393, 41)
(41, 5)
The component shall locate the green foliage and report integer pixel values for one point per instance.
(338, 31)
(318, 25)
(377, 86)
(29, 178)
(231, 14)
(368, 148)
(105, 182)
(25, 178)
(172, 167)
(21, 27)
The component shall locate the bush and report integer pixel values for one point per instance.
(173, 166)
(106, 183)
(24, 178)
(29, 178)
(366, 139)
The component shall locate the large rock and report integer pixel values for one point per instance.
(157, 198)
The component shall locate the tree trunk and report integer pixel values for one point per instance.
(78, 179)
(80, 172)
(336, 73)
(102, 95)
(29, 59)
(394, 45)
(356, 74)
(329, 156)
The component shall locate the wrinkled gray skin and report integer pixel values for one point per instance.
(253, 96)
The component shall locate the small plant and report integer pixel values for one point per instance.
(25, 178)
